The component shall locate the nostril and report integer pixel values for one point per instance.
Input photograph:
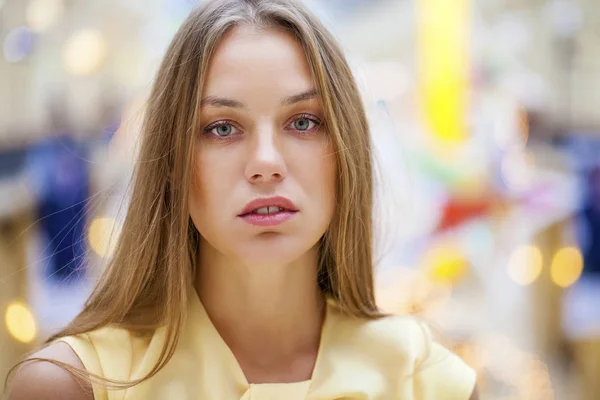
(277, 177)
(266, 177)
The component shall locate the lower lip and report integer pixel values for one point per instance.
(268, 219)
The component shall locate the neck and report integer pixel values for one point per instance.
(270, 317)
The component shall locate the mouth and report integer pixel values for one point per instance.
(268, 211)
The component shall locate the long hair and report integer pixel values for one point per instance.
(148, 281)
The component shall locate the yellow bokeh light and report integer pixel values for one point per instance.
(443, 35)
(101, 237)
(446, 264)
(20, 322)
(42, 14)
(567, 266)
(525, 265)
(84, 52)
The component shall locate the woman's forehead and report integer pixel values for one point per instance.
(250, 59)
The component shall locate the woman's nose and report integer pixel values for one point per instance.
(266, 162)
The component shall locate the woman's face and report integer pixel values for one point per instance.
(261, 140)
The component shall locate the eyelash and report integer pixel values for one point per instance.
(212, 136)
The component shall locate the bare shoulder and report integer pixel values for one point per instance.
(44, 380)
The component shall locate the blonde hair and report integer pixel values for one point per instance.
(149, 279)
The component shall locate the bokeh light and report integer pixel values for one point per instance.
(84, 52)
(495, 356)
(443, 29)
(446, 264)
(43, 14)
(20, 322)
(18, 44)
(101, 237)
(567, 266)
(525, 265)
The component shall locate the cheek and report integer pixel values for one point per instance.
(216, 175)
(204, 193)
(321, 177)
(208, 177)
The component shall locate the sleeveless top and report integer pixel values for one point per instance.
(390, 358)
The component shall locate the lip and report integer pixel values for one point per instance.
(289, 210)
(277, 201)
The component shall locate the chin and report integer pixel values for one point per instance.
(271, 249)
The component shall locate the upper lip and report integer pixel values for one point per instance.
(277, 201)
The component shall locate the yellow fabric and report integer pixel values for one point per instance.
(391, 358)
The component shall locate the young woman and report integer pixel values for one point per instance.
(244, 268)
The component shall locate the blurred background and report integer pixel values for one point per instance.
(487, 139)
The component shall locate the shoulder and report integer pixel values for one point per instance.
(45, 380)
(404, 344)
(395, 337)
(107, 352)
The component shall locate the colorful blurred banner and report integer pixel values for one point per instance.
(443, 34)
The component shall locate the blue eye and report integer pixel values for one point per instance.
(222, 129)
(305, 123)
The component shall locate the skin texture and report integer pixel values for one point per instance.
(262, 278)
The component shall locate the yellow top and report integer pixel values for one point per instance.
(390, 358)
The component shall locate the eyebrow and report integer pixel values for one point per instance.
(309, 94)
(215, 101)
